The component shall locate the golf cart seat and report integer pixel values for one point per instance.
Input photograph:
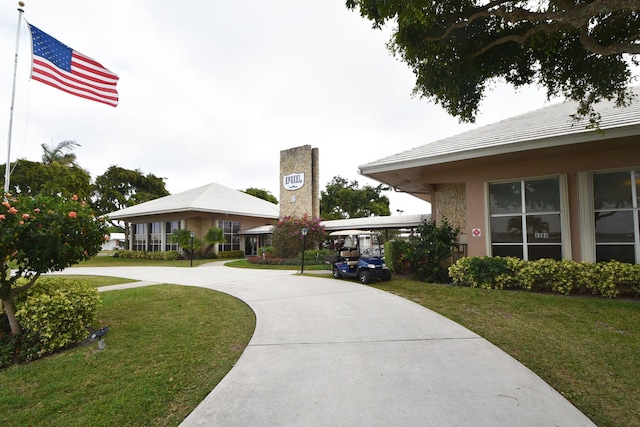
(350, 255)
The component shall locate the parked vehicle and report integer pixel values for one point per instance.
(360, 255)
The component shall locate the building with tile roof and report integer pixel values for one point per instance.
(539, 185)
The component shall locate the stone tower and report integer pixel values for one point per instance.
(299, 186)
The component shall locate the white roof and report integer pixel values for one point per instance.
(545, 127)
(211, 198)
(369, 223)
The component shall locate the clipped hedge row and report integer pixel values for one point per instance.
(231, 254)
(159, 255)
(55, 313)
(607, 279)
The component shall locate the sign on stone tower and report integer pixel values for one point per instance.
(299, 186)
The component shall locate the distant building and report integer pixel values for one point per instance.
(150, 224)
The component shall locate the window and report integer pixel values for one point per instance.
(526, 218)
(155, 236)
(170, 228)
(139, 237)
(230, 231)
(616, 200)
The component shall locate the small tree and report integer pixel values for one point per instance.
(429, 249)
(287, 235)
(40, 234)
(182, 237)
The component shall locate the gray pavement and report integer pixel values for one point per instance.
(331, 352)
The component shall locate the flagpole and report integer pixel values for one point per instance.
(7, 171)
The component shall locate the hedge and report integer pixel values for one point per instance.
(55, 313)
(607, 279)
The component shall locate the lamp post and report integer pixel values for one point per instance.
(304, 231)
(192, 235)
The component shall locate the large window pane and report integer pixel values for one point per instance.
(542, 195)
(507, 250)
(506, 197)
(506, 229)
(622, 253)
(615, 226)
(545, 251)
(612, 190)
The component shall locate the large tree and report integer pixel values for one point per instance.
(119, 188)
(53, 179)
(344, 199)
(581, 49)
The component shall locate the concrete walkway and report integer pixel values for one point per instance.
(329, 352)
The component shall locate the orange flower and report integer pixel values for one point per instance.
(74, 197)
(6, 204)
(25, 216)
(2, 217)
(72, 214)
(13, 210)
(37, 210)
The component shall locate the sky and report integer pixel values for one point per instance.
(213, 91)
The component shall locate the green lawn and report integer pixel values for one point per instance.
(167, 348)
(586, 348)
(169, 345)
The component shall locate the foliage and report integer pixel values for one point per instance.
(53, 179)
(119, 188)
(342, 199)
(158, 255)
(486, 272)
(231, 254)
(607, 279)
(56, 313)
(41, 234)
(429, 249)
(396, 254)
(261, 194)
(287, 236)
(61, 153)
(202, 248)
(456, 48)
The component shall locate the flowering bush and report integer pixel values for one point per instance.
(40, 234)
(288, 239)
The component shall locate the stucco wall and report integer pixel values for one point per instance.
(568, 161)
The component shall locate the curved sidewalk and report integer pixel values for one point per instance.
(331, 352)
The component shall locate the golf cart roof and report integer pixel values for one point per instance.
(352, 233)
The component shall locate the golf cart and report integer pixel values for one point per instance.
(359, 255)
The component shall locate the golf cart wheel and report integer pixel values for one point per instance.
(336, 273)
(365, 277)
(386, 275)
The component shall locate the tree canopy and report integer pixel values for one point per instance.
(262, 194)
(60, 153)
(343, 199)
(580, 49)
(53, 179)
(119, 188)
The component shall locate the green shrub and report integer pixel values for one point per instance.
(486, 272)
(430, 250)
(396, 254)
(231, 254)
(313, 256)
(607, 279)
(55, 313)
(156, 255)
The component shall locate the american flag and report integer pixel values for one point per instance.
(57, 65)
